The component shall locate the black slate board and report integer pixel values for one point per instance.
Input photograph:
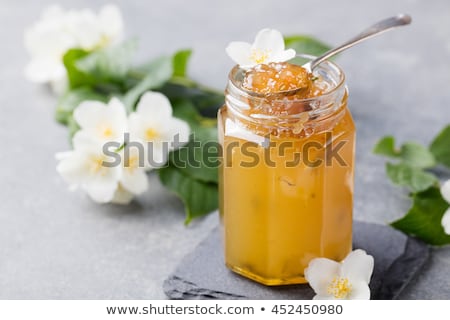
(203, 275)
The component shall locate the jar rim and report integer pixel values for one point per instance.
(322, 104)
(327, 63)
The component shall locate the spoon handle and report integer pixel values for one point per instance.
(377, 28)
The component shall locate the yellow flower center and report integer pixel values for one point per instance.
(96, 165)
(259, 56)
(106, 131)
(103, 42)
(151, 134)
(131, 163)
(340, 288)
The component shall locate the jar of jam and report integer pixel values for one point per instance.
(286, 174)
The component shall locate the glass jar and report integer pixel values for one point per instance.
(286, 181)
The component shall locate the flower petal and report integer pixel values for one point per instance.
(85, 167)
(179, 129)
(446, 221)
(45, 70)
(320, 273)
(240, 53)
(136, 182)
(137, 126)
(111, 22)
(150, 121)
(122, 196)
(48, 39)
(84, 27)
(269, 39)
(59, 85)
(102, 122)
(100, 192)
(58, 30)
(445, 190)
(360, 291)
(107, 180)
(154, 106)
(83, 140)
(284, 56)
(72, 169)
(89, 113)
(117, 115)
(358, 266)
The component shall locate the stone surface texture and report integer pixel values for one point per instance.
(398, 259)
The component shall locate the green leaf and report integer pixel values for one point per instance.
(440, 147)
(199, 158)
(423, 220)
(205, 128)
(80, 78)
(197, 163)
(306, 45)
(386, 147)
(71, 99)
(411, 177)
(416, 155)
(77, 77)
(198, 197)
(193, 171)
(206, 100)
(180, 62)
(410, 153)
(159, 71)
(111, 63)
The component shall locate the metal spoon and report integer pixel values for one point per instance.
(377, 28)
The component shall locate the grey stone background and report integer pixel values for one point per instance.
(56, 244)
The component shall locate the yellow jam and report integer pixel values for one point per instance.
(295, 202)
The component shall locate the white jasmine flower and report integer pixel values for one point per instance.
(58, 31)
(122, 196)
(84, 168)
(446, 221)
(445, 191)
(348, 279)
(134, 178)
(100, 121)
(268, 47)
(92, 31)
(153, 123)
(87, 166)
